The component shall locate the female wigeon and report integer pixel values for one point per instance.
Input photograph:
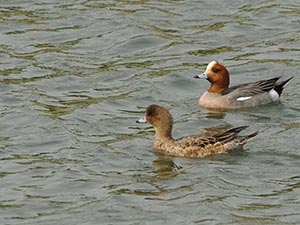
(191, 146)
(220, 96)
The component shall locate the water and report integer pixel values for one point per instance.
(76, 75)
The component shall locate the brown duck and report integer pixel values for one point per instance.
(195, 145)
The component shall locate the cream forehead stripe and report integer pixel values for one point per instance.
(210, 65)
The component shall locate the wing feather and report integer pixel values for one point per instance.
(202, 141)
(251, 89)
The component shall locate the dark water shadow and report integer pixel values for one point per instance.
(165, 167)
(215, 114)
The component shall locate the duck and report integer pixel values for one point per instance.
(221, 96)
(194, 146)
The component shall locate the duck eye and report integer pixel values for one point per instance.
(216, 70)
(151, 112)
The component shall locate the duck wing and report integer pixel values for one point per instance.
(207, 144)
(246, 91)
(205, 140)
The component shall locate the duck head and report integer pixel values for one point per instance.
(217, 75)
(161, 120)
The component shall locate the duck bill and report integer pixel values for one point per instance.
(201, 76)
(142, 120)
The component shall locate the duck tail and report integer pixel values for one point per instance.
(280, 86)
(247, 138)
(237, 129)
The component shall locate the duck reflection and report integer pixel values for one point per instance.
(165, 167)
(213, 114)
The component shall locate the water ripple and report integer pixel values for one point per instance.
(76, 75)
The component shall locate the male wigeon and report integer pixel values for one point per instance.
(220, 96)
(191, 146)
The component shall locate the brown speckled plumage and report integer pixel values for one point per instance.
(194, 145)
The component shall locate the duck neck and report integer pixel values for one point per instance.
(164, 134)
(220, 83)
(217, 88)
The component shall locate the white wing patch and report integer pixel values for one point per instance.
(240, 99)
(272, 93)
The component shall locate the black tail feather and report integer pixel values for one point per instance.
(245, 139)
(280, 86)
